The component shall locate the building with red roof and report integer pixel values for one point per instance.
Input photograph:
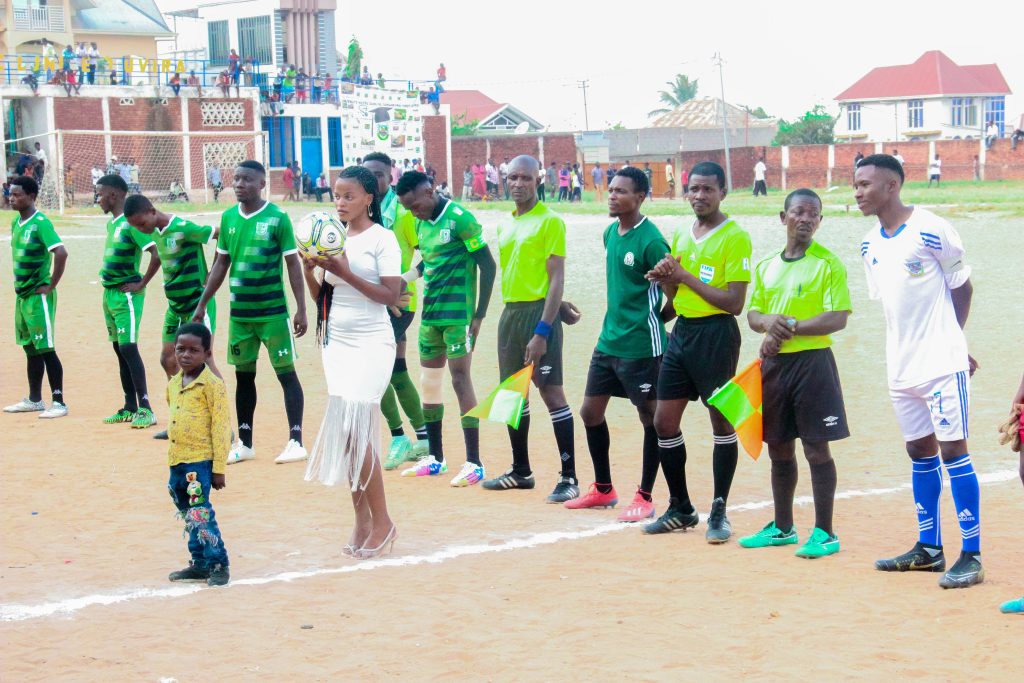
(932, 99)
(491, 116)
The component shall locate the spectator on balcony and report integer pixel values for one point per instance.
(301, 84)
(316, 81)
(442, 73)
(31, 81)
(328, 94)
(69, 80)
(175, 83)
(288, 84)
(365, 78)
(434, 100)
(381, 83)
(49, 58)
(224, 82)
(193, 82)
(81, 56)
(94, 58)
(991, 133)
(234, 66)
(113, 77)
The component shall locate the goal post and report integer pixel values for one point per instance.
(167, 167)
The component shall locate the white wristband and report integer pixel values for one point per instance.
(411, 275)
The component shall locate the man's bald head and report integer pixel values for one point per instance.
(523, 177)
(527, 162)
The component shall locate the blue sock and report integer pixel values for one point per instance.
(963, 482)
(927, 483)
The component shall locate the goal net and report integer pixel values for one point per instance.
(167, 167)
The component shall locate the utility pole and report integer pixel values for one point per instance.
(717, 60)
(586, 118)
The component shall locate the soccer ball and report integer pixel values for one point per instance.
(321, 234)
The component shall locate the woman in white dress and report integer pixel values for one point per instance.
(353, 295)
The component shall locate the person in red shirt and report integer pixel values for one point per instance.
(288, 178)
(442, 74)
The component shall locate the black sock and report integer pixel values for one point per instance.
(398, 431)
(434, 417)
(293, 404)
(54, 373)
(421, 433)
(471, 435)
(130, 402)
(245, 405)
(650, 462)
(520, 439)
(36, 368)
(598, 442)
(672, 453)
(784, 478)
(823, 485)
(724, 458)
(561, 421)
(131, 355)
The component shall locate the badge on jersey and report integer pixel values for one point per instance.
(707, 273)
(629, 259)
(172, 244)
(262, 229)
(914, 268)
(446, 236)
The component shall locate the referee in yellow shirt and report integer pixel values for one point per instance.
(800, 298)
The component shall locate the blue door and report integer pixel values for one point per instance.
(312, 153)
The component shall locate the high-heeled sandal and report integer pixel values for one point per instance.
(383, 549)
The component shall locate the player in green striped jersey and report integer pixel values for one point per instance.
(33, 241)
(452, 246)
(124, 293)
(179, 242)
(254, 237)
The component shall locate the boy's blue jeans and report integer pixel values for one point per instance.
(204, 541)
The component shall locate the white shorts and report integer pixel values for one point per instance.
(938, 407)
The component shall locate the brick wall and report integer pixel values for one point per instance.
(435, 149)
(145, 114)
(469, 150)
(80, 153)
(466, 151)
(78, 113)
(195, 116)
(1002, 163)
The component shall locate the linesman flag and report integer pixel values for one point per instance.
(505, 404)
(740, 402)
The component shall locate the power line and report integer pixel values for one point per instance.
(717, 60)
(586, 118)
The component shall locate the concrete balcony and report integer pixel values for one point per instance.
(39, 19)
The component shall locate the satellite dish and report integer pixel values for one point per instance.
(522, 128)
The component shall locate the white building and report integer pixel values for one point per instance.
(932, 99)
(272, 33)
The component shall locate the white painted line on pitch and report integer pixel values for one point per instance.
(16, 612)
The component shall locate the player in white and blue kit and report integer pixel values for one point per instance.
(915, 264)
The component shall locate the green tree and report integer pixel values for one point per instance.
(756, 112)
(813, 128)
(462, 127)
(680, 90)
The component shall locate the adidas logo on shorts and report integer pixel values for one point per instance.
(921, 510)
(944, 422)
(965, 515)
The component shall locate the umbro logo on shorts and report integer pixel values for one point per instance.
(545, 370)
(831, 421)
(645, 387)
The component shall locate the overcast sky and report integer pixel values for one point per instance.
(784, 56)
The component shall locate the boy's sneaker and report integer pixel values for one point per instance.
(820, 544)
(673, 520)
(25, 406)
(470, 474)
(240, 452)
(1012, 607)
(293, 452)
(219, 575)
(594, 499)
(397, 452)
(965, 572)
(719, 529)
(143, 418)
(769, 536)
(427, 466)
(510, 480)
(56, 410)
(639, 510)
(190, 573)
(920, 558)
(565, 490)
(161, 436)
(123, 415)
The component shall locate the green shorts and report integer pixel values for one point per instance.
(122, 312)
(172, 321)
(245, 338)
(34, 318)
(444, 340)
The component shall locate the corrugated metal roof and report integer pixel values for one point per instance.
(932, 74)
(136, 17)
(706, 112)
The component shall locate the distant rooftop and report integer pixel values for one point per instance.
(932, 74)
(706, 112)
(136, 17)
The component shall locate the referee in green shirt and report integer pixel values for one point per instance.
(800, 298)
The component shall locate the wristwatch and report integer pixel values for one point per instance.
(791, 324)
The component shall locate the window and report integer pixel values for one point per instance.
(218, 36)
(254, 39)
(309, 127)
(853, 116)
(915, 113)
(281, 138)
(336, 157)
(963, 113)
(995, 110)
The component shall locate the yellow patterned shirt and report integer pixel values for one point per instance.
(200, 427)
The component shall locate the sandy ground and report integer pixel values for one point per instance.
(484, 585)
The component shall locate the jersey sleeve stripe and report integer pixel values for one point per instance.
(286, 253)
(54, 246)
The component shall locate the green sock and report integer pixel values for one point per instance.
(389, 406)
(409, 397)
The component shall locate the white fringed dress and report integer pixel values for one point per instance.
(358, 356)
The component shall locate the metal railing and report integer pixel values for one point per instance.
(129, 70)
(39, 19)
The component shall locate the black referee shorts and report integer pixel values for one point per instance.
(632, 378)
(515, 330)
(802, 397)
(701, 356)
(401, 324)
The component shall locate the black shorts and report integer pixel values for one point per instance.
(935, 176)
(701, 356)
(632, 378)
(515, 330)
(802, 397)
(401, 324)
